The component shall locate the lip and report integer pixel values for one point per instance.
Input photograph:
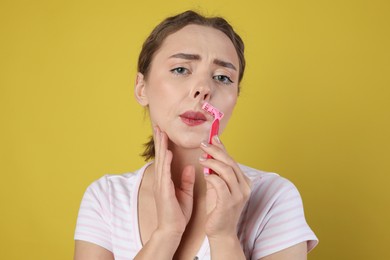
(193, 118)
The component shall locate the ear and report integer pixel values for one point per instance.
(140, 90)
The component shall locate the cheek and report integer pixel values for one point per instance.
(228, 108)
(160, 88)
(161, 105)
(229, 104)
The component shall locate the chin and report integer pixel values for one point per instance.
(190, 141)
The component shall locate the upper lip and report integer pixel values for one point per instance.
(194, 115)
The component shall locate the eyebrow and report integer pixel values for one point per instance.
(218, 62)
(186, 56)
(224, 64)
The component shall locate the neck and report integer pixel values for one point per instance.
(184, 157)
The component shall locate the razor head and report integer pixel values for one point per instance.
(212, 110)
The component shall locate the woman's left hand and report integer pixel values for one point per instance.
(227, 191)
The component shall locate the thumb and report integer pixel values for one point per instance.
(188, 180)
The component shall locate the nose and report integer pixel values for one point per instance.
(201, 91)
(201, 95)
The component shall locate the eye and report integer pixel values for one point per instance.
(180, 71)
(223, 79)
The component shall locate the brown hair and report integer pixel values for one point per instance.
(171, 25)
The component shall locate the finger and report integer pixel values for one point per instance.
(217, 142)
(166, 169)
(238, 192)
(188, 180)
(159, 155)
(156, 146)
(165, 185)
(166, 157)
(219, 154)
(156, 139)
(217, 151)
(225, 173)
(220, 187)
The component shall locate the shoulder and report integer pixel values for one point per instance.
(104, 201)
(268, 184)
(272, 197)
(273, 218)
(271, 193)
(111, 189)
(116, 183)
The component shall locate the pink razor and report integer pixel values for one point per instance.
(214, 127)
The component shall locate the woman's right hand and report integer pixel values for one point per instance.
(173, 204)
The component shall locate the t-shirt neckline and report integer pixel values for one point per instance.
(137, 234)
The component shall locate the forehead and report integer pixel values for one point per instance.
(199, 39)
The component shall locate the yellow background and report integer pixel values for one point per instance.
(314, 108)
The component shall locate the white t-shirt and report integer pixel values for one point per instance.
(272, 220)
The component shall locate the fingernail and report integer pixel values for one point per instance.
(204, 144)
(216, 138)
(202, 159)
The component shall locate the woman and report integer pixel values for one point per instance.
(170, 209)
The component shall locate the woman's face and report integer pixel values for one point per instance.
(193, 65)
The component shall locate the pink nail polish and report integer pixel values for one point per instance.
(202, 159)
